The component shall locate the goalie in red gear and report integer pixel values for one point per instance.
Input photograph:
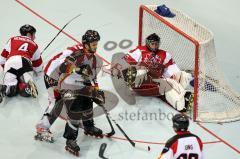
(150, 71)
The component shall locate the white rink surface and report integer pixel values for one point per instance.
(115, 20)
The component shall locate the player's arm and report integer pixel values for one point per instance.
(201, 147)
(169, 149)
(166, 153)
(5, 53)
(171, 67)
(73, 64)
(37, 62)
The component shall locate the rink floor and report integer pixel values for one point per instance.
(148, 122)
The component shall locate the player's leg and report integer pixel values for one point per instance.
(10, 78)
(51, 113)
(70, 134)
(10, 81)
(88, 121)
(83, 106)
(174, 93)
(27, 87)
(184, 79)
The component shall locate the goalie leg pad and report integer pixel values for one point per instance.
(174, 93)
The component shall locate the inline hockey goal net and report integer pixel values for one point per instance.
(192, 47)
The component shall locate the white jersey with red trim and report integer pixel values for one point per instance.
(184, 145)
(159, 64)
(25, 47)
(51, 69)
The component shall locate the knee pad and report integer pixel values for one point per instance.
(11, 91)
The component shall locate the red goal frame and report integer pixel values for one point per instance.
(144, 8)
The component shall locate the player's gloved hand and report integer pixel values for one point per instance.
(135, 77)
(140, 76)
(129, 75)
(84, 70)
(99, 97)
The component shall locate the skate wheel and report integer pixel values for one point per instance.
(76, 154)
(66, 148)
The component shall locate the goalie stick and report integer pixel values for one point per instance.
(60, 32)
(102, 150)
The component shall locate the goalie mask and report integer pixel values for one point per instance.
(90, 39)
(180, 122)
(153, 42)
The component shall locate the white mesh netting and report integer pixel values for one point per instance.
(192, 47)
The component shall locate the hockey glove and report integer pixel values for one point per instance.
(99, 97)
(84, 70)
(129, 75)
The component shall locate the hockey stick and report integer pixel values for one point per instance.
(109, 121)
(102, 150)
(60, 32)
(146, 148)
(122, 131)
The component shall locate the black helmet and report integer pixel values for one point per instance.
(152, 38)
(90, 36)
(180, 122)
(27, 29)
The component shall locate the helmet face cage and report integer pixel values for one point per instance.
(180, 122)
(152, 38)
(90, 36)
(25, 29)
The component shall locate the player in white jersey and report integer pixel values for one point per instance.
(51, 78)
(77, 73)
(184, 145)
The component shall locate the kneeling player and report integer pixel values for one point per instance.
(19, 59)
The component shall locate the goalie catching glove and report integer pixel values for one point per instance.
(134, 77)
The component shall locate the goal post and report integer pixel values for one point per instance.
(192, 48)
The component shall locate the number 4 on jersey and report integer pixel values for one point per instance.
(23, 47)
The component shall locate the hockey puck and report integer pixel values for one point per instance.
(149, 148)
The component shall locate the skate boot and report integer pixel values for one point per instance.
(43, 132)
(72, 147)
(188, 101)
(33, 89)
(93, 131)
(2, 92)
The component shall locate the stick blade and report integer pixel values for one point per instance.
(142, 147)
(102, 150)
